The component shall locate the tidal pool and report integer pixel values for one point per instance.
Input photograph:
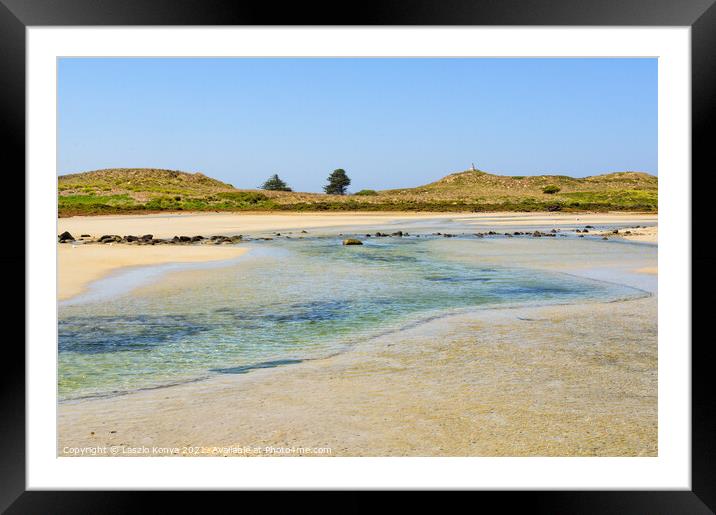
(290, 300)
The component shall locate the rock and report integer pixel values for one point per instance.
(352, 241)
(555, 207)
(398, 233)
(605, 238)
(185, 238)
(85, 235)
(304, 232)
(147, 237)
(65, 236)
(553, 230)
(615, 231)
(130, 238)
(238, 238)
(585, 230)
(579, 231)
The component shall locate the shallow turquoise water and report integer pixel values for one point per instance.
(286, 301)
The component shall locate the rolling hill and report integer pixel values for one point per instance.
(142, 190)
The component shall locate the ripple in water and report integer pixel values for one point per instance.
(315, 298)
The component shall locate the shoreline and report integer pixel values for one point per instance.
(166, 225)
(81, 265)
(78, 266)
(427, 319)
(169, 411)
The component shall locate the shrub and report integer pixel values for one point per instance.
(551, 189)
(366, 192)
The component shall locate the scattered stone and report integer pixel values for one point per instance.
(65, 236)
(615, 231)
(352, 241)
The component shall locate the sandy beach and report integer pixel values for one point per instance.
(79, 265)
(509, 382)
(168, 225)
(497, 382)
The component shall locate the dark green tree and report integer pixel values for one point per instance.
(274, 183)
(338, 181)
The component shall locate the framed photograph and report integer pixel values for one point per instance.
(432, 247)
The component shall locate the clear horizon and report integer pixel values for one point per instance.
(390, 123)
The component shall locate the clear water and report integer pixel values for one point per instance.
(287, 301)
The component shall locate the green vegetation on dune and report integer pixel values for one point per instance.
(153, 190)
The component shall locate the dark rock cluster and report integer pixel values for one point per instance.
(149, 239)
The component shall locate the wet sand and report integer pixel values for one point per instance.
(575, 380)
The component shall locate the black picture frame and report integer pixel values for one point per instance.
(700, 15)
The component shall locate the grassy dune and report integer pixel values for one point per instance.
(141, 190)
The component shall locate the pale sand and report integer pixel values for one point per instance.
(78, 265)
(207, 224)
(651, 270)
(577, 380)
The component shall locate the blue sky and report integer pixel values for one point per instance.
(388, 122)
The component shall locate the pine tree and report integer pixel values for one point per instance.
(274, 183)
(338, 181)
